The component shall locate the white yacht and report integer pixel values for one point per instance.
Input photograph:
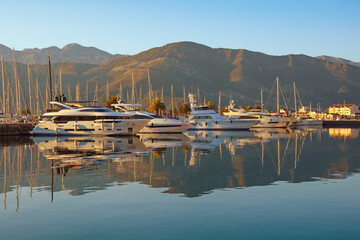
(69, 118)
(306, 121)
(266, 120)
(155, 123)
(204, 118)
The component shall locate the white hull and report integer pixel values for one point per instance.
(123, 127)
(165, 126)
(223, 125)
(272, 124)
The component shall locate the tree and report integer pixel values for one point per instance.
(225, 109)
(157, 106)
(184, 109)
(109, 101)
(248, 107)
(25, 111)
(257, 107)
(211, 105)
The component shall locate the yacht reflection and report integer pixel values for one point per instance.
(193, 164)
(83, 151)
(163, 141)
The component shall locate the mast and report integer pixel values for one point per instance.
(87, 92)
(132, 89)
(262, 100)
(184, 100)
(219, 105)
(172, 101)
(3, 82)
(277, 96)
(295, 98)
(60, 79)
(37, 97)
(50, 81)
(150, 87)
(77, 96)
(17, 86)
(162, 94)
(120, 92)
(29, 80)
(95, 93)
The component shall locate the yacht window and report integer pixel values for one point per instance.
(202, 108)
(155, 116)
(141, 117)
(47, 118)
(64, 119)
(202, 117)
(95, 110)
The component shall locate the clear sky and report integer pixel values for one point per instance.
(314, 27)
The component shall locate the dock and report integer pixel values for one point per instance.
(341, 123)
(15, 129)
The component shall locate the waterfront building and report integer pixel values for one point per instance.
(344, 109)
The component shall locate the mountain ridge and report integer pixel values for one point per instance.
(72, 52)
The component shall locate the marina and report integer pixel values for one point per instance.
(236, 175)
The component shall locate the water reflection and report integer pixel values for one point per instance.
(192, 164)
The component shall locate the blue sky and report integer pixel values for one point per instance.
(313, 28)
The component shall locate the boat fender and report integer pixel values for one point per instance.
(205, 124)
(152, 124)
(231, 121)
(215, 122)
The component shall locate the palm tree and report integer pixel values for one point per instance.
(157, 106)
(184, 109)
(211, 105)
(109, 101)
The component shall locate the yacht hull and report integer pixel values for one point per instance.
(165, 126)
(224, 125)
(89, 128)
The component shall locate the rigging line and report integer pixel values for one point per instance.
(299, 98)
(268, 98)
(282, 94)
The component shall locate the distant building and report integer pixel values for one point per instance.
(344, 109)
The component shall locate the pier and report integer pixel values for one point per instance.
(14, 129)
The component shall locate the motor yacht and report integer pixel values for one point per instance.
(70, 118)
(155, 123)
(266, 120)
(306, 121)
(204, 118)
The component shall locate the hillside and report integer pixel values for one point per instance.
(69, 53)
(339, 60)
(238, 73)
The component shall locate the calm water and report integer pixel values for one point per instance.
(269, 184)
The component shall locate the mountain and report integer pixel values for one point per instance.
(339, 60)
(70, 53)
(237, 73)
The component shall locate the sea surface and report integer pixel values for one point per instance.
(263, 184)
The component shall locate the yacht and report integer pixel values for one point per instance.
(155, 123)
(204, 118)
(70, 118)
(306, 121)
(266, 120)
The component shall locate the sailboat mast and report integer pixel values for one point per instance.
(29, 80)
(132, 89)
(3, 83)
(262, 100)
(219, 104)
(172, 101)
(295, 98)
(277, 95)
(61, 92)
(150, 88)
(50, 81)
